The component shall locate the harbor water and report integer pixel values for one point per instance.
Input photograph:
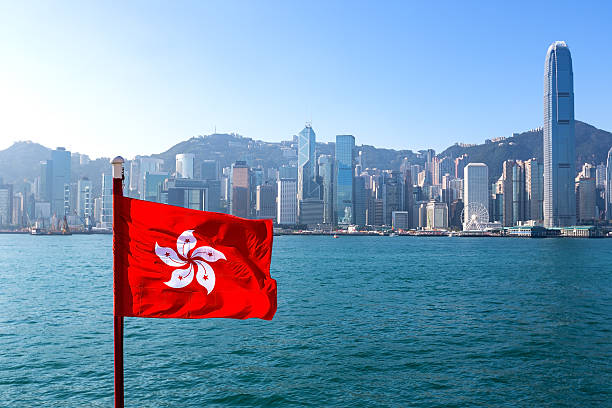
(361, 321)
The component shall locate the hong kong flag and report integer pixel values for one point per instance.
(173, 262)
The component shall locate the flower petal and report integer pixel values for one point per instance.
(207, 253)
(181, 278)
(205, 275)
(168, 256)
(185, 243)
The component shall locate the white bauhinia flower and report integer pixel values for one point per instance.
(190, 262)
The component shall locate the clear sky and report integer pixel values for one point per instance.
(136, 77)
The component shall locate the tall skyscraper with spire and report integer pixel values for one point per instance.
(307, 186)
(559, 138)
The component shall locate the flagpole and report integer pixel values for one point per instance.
(117, 164)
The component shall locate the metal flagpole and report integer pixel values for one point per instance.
(117, 163)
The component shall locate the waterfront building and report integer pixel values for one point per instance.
(60, 181)
(184, 165)
(326, 173)
(266, 201)
(240, 204)
(400, 220)
(85, 200)
(608, 192)
(534, 186)
(374, 214)
(45, 184)
(454, 214)
(345, 147)
(559, 138)
(106, 215)
(360, 200)
(310, 212)
(437, 215)
(585, 200)
(6, 204)
(476, 187)
(306, 181)
(391, 195)
(286, 201)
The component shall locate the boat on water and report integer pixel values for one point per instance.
(335, 236)
(39, 231)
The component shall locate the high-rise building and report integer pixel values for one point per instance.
(85, 200)
(6, 204)
(326, 173)
(306, 182)
(460, 163)
(153, 185)
(476, 187)
(559, 138)
(437, 215)
(534, 187)
(139, 167)
(106, 214)
(184, 165)
(209, 170)
(266, 201)
(287, 201)
(608, 194)
(60, 171)
(360, 200)
(600, 176)
(585, 200)
(240, 193)
(391, 195)
(345, 147)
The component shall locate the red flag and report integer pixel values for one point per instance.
(176, 262)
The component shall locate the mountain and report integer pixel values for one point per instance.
(21, 161)
(592, 146)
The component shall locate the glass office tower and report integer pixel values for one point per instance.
(345, 146)
(559, 138)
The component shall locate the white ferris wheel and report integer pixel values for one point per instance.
(475, 217)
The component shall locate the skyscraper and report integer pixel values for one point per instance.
(307, 186)
(287, 201)
(345, 147)
(184, 165)
(559, 138)
(326, 167)
(476, 188)
(60, 171)
(240, 193)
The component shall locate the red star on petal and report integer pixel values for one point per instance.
(205, 277)
(167, 253)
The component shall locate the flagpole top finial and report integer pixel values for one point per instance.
(117, 163)
(118, 160)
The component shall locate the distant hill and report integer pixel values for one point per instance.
(592, 146)
(21, 160)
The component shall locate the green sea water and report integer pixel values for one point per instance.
(361, 321)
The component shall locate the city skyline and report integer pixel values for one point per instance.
(177, 78)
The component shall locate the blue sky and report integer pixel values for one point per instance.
(113, 77)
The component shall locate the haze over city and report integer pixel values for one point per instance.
(136, 78)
